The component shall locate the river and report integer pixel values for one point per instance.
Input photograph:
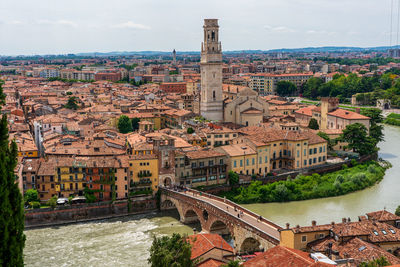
(125, 242)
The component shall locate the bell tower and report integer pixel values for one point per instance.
(211, 106)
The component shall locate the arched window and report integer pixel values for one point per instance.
(213, 36)
(214, 95)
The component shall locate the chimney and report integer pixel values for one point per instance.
(358, 110)
(194, 231)
(332, 223)
(348, 219)
(287, 225)
(343, 220)
(313, 223)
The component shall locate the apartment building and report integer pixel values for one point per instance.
(265, 83)
(201, 167)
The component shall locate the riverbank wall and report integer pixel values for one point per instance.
(48, 217)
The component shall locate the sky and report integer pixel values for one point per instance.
(71, 26)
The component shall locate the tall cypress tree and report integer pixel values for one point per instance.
(12, 238)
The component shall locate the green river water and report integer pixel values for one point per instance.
(125, 242)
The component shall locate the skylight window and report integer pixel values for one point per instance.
(384, 232)
(362, 248)
(391, 230)
(375, 232)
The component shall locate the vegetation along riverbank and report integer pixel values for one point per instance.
(302, 187)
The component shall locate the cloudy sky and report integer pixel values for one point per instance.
(71, 26)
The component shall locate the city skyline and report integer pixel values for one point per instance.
(30, 28)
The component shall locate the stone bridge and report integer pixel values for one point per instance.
(218, 215)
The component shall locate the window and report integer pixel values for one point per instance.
(201, 164)
(375, 232)
(315, 150)
(303, 238)
(241, 163)
(221, 161)
(265, 159)
(298, 153)
(259, 160)
(234, 163)
(384, 232)
(391, 230)
(310, 161)
(247, 162)
(319, 159)
(320, 149)
(305, 152)
(310, 152)
(193, 164)
(314, 160)
(252, 161)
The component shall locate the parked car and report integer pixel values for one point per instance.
(62, 201)
(78, 200)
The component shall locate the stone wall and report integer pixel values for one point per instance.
(86, 212)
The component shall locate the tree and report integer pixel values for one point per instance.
(135, 123)
(52, 202)
(379, 262)
(231, 264)
(31, 195)
(233, 178)
(12, 236)
(398, 211)
(174, 251)
(190, 130)
(375, 129)
(285, 88)
(124, 124)
(311, 87)
(313, 124)
(71, 104)
(358, 140)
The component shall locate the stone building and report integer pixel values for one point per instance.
(246, 109)
(211, 105)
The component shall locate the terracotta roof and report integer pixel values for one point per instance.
(211, 263)
(356, 249)
(202, 243)
(306, 110)
(201, 154)
(280, 256)
(382, 216)
(347, 114)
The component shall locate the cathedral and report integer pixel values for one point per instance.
(247, 108)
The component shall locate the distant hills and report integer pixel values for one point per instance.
(330, 49)
(281, 50)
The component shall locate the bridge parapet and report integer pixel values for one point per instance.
(240, 227)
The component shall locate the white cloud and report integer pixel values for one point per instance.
(280, 29)
(131, 25)
(61, 22)
(15, 22)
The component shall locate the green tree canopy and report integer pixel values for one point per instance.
(31, 195)
(380, 262)
(174, 251)
(398, 211)
(233, 178)
(71, 104)
(356, 136)
(124, 124)
(12, 236)
(313, 124)
(285, 88)
(190, 130)
(135, 123)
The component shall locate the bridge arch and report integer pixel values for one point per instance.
(191, 216)
(250, 245)
(220, 227)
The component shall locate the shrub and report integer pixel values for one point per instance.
(31, 195)
(339, 178)
(372, 169)
(52, 202)
(35, 204)
(398, 211)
